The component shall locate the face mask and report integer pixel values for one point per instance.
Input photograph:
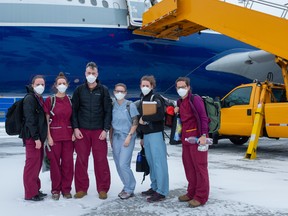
(39, 89)
(145, 90)
(91, 79)
(119, 96)
(62, 88)
(182, 92)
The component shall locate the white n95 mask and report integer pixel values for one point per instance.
(145, 90)
(91, 79)
(39, 89)
(62, 88)
(119, 95)
(182, 92)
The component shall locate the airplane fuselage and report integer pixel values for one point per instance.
(53, 36)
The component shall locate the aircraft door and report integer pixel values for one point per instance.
(136, 8)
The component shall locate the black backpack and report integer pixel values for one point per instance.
(168, 118)
(142, 164)
(14, 118)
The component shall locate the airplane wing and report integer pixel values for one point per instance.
(252, 65)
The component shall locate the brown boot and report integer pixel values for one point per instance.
(67, 195)
(80, 194)
(184, 198)
(194, 203)
(102, 195)
(55, 196)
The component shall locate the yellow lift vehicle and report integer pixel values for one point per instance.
(254, 110)
(171, 19)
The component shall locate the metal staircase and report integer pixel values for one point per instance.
(172, 19)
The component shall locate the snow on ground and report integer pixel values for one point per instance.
(238, 186)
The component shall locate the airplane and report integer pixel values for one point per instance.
(49, 36)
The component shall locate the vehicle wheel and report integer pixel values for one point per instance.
(239, 140)
(215, 137)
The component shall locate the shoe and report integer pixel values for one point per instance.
(184, 198)
(121, 193)
(55, 196)
(80, 194)
(35, 198)
(149, 192)
(156, 197)
(67, 195)
(194, 203)
(41, 194)
(126, 195)
(102, 195)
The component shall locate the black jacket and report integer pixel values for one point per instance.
(156, 121)
(35, 124)
(92, 109)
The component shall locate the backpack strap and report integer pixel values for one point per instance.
(128, 107)
(194, 108)
(53, 103)
(70, 99)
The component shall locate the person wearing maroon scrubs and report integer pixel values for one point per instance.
(34, 134)
(60, 139)
(194, 123)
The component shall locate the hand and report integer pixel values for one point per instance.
(202, 140)
(78, 133)
(38, 144)
(176, 110)
(142, 142)
(50, 141)
(141, 121)
(103, 135)
(73, 137)
(127, 140)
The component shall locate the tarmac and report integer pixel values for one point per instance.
(218, 159)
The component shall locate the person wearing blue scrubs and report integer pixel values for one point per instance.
(152, 128)
(122, 138)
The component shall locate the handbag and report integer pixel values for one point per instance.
(142, 164)
(176, 131)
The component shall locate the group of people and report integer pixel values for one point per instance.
(83, 124)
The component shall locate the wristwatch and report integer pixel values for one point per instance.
(130, 134)
(106, 130)
(203, 135)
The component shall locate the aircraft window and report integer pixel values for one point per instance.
(82, 1)
(240, 96)
(94, 2)
(105, 4)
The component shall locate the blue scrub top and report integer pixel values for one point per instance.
(121, 119)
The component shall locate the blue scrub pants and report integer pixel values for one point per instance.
(156, 154)
(122, 157)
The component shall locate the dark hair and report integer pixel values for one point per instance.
(61, 75)
(149, 78)
(37, 77)
(92, 65)
(122, 85)
(184, 79)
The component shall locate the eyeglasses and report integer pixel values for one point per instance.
(119, 91)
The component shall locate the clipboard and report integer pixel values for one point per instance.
(149, 107)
